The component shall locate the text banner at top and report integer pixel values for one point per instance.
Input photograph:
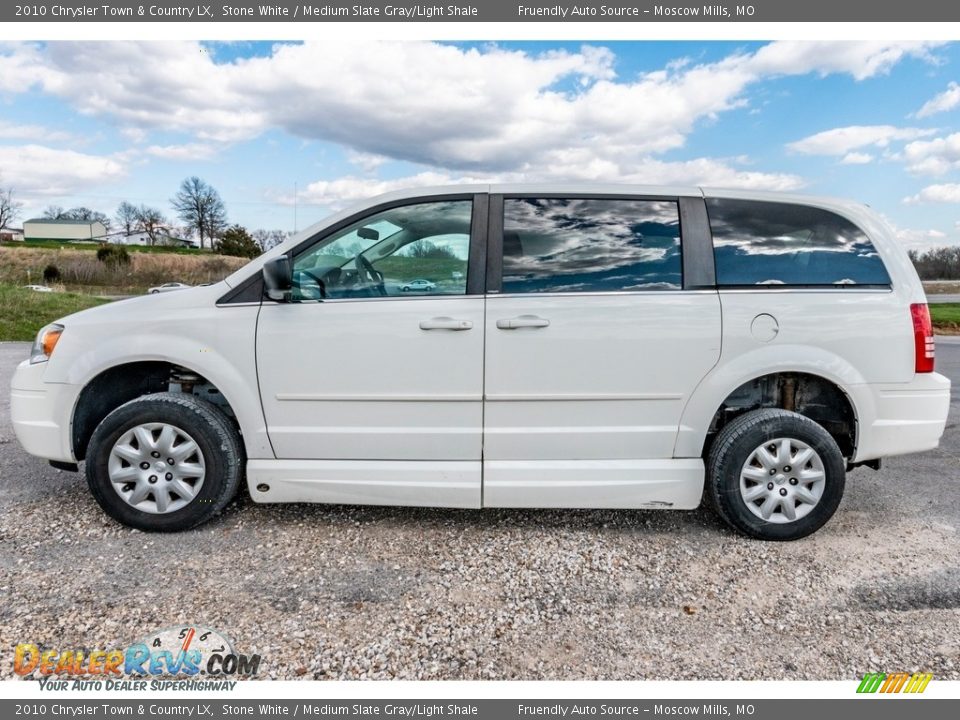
(484, 11)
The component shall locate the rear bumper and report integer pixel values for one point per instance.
(901, 418)
(41, 413)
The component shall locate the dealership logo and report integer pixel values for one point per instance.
(179, 652)
(900, 682)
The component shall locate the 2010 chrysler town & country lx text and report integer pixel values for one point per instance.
(509, 346)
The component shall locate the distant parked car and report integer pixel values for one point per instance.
(167, 287)
(418, 285)
(38, 288)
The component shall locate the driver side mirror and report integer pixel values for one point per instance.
(278, 278)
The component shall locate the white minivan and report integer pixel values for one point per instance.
(509, 346)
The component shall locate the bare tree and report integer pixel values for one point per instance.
(151, 221)
(127, 217)
(54, 212)
(9, 208)
(939, 263)
(200, 208)
(269, 239)
(87, 215)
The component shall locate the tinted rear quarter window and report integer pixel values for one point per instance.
(772, 243)
(590, 245)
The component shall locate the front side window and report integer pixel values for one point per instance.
(772, 243)
(590, 245)
(419, 249)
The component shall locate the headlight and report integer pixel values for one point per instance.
(46, 341)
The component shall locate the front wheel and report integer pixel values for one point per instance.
(775, 475)
(164, 462)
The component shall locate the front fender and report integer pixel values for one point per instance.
(222, 352)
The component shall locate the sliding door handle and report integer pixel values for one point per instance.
(445, 323)
(523, 321)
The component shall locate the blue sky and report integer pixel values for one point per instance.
(96, 123)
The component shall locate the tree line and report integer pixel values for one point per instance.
(941, 263)
(203, 213)
(196, 204)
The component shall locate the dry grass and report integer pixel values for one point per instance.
(80, 270)
(941, 287)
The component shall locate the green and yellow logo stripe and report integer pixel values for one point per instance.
(894, 682)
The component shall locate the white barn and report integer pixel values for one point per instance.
(47, 229)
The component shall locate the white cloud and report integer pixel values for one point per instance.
(10, 131)
(464, 110)
(859, 59)
(918, 238)
(843, 140)
(366, 161)
(947, 100)
(856, 158)
(943, 193)
(344, 190)
(571, 168)
(913, 239)
(40, 170)
(189, 151)
(933, 157)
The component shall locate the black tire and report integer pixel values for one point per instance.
(732, 448)
(209, 427)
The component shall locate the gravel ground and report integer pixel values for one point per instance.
(352, 592)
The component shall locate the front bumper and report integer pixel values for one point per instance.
(902, 418)
(41, 413)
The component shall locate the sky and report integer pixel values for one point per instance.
(329, 124)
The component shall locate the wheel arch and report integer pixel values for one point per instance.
(115, 376)
(816, 373)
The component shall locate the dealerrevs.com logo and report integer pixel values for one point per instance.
(180, 655)
(899, 682)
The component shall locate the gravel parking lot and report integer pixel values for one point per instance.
(353, 592)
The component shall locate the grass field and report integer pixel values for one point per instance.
(26, 311)
(92, 247)
(80, 270)
(946, 317)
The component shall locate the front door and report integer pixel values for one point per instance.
(372, 378)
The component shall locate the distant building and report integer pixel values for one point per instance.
(63, 230)
(11, 235)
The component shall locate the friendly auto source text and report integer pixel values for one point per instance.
(617, 11)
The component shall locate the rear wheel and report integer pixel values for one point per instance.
(775, 475)
(164, 462)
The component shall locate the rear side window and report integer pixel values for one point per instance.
(590, 245)
(771, 243)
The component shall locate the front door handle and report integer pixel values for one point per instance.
(445, 323)
(523, 321)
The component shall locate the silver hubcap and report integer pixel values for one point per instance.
(156, 468)
(782, 480)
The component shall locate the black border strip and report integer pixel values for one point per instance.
(495, 245)
(477, 262)
(696, 245)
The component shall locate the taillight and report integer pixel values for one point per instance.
(922, 338)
